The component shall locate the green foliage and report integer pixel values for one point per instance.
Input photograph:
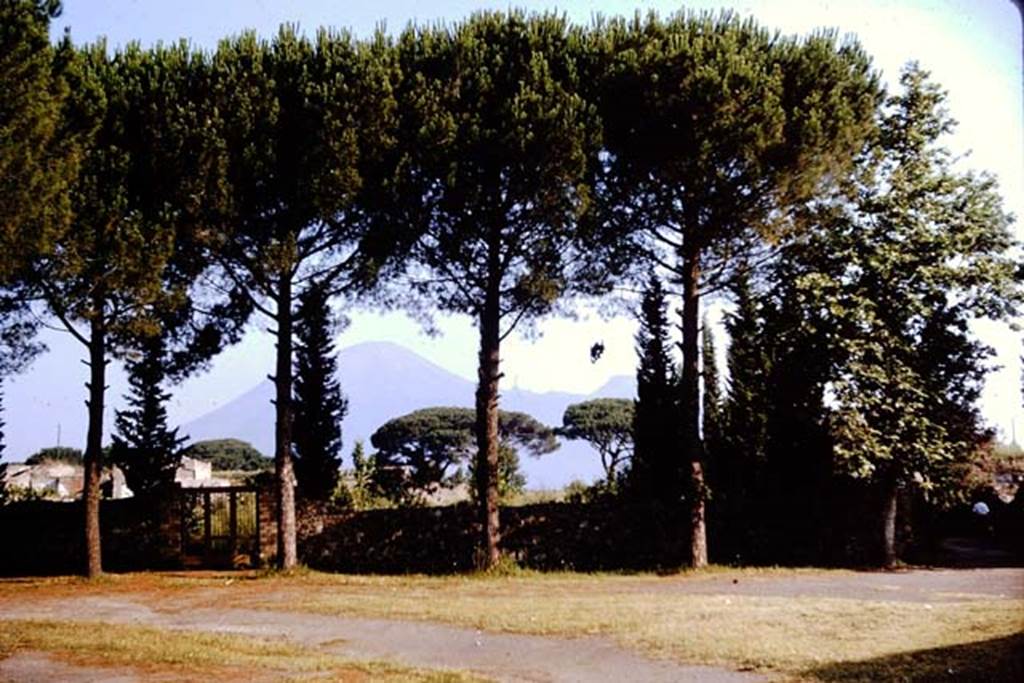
(577, 491)
(71, 456)
(922, 251)
(299, 119)
(656, 473)
(607, 425)
(39, 157)
(740, 128)
(419, 453)
(511, 480)
(228, 455)
(775, 445)
(356, 489)
(300, 122)
(146, 450)
(768, 118)
(107, 268)
(320, 405)
(490, 179)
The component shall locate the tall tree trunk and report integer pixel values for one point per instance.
(489, 373)
(890, 507)
(691, 404)
(287, 554)
(93, 460)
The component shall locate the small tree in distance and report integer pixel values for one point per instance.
(320, 405)
(607, 425)
(361, 491)
(424, 451)
(229, 455)
(65, 454)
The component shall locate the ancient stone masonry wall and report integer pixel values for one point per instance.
(580, 536)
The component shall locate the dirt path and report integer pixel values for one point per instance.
(39, 667)
(916, 585)
(503, 657)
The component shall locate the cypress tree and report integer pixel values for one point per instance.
(711, 398)
(737, 463)
(145, 449)
(319, 403)
(657, 471)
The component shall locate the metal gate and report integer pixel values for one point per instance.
(220, 527)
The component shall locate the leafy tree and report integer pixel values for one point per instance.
(229, 455)
(71, 456)
(319, 404)
(656, 473)
(300, 121)
(740, 128)
(607, 425)
(145, 448)
(421, 452)
(922, 250)
(493, 144)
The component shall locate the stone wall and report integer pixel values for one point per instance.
(47, 537)
(44, 537)
(551, 536)
(267, 506)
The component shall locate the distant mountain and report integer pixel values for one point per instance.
(384, 380)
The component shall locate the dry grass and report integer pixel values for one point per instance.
(797, 638)
(198, 656)
(782, 634)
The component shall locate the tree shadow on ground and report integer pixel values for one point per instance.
(986, 661)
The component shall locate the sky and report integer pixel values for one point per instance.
(973, 48)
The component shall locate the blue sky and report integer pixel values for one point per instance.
(972, 48)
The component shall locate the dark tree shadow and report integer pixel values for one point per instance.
(988, 661)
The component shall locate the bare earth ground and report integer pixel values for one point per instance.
(498, 656)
